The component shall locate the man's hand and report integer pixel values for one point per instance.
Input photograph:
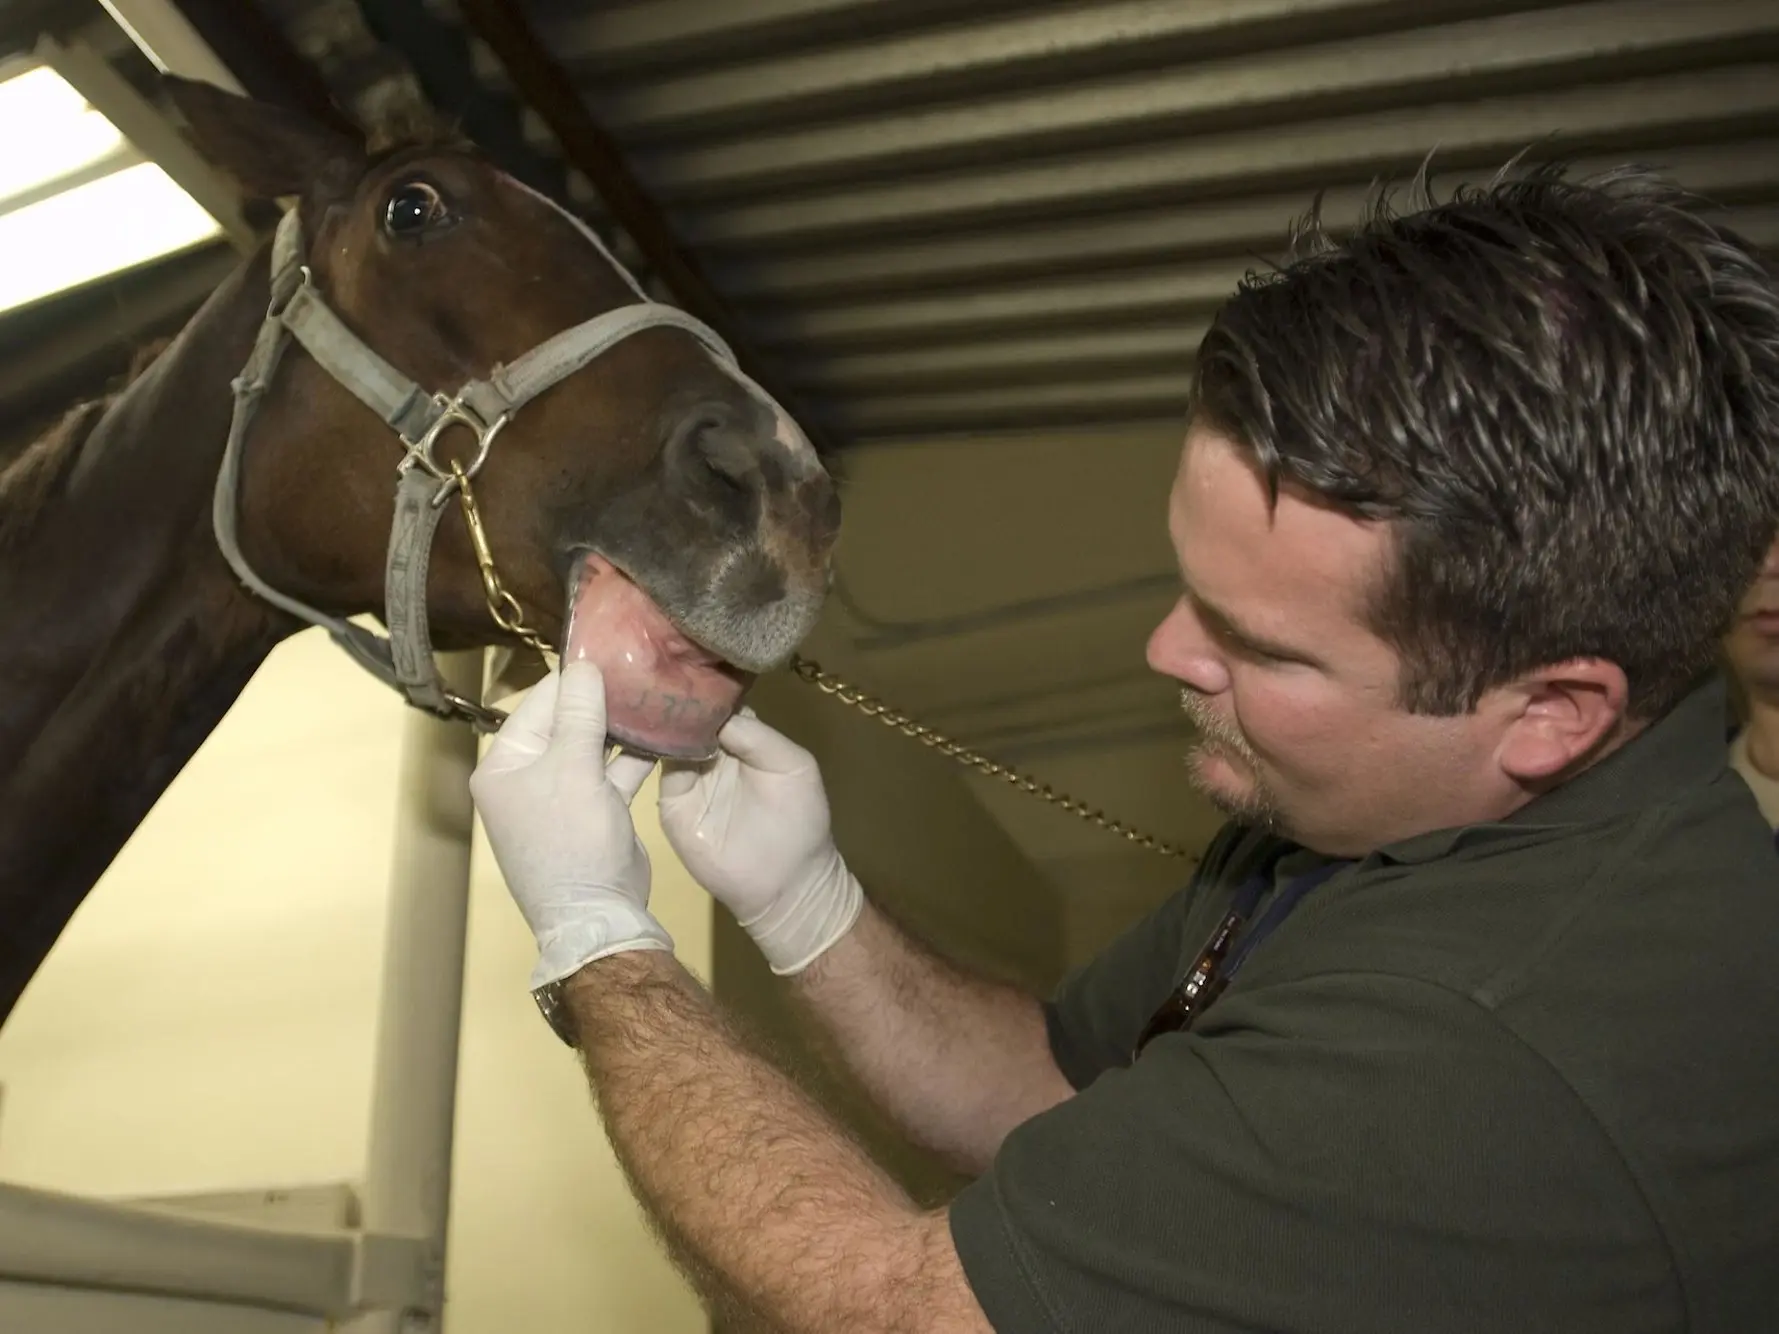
(775, 1207)
(752, 827)
(558, 820)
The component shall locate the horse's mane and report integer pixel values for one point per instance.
(34, 478)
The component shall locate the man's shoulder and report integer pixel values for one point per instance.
(1587, 1001)
(1307, 1121)
(1631, 958)
(1490, 909)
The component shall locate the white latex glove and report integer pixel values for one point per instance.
(752, 827)
(558, 820)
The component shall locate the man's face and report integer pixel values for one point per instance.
(1295, 699)
(1753, 641)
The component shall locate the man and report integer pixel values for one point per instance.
(1465, 1022)
(1752, 648)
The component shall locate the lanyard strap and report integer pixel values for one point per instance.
(1222, 955)
(1288, 898)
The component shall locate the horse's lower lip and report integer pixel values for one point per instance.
(665, 695)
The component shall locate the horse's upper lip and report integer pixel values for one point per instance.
(577, 571)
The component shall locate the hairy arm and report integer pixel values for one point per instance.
(764, 1201)
(957, 1061)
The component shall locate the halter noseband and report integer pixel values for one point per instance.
(404, 659)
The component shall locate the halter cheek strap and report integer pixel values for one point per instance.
(425, 481)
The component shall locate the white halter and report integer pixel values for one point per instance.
(404, 660)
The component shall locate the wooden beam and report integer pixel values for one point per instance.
(547, 87)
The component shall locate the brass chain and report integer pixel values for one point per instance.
(502, 605)
(507, 614)
(811, 672)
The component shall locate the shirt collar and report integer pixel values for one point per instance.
(1682, 749)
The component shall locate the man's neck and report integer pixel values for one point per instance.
(1762, 732)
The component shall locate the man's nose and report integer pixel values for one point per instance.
(1180, 648)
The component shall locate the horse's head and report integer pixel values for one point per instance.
(651, 501)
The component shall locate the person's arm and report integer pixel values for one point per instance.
(955, 1060)
(774, 1214)
(766, 1203)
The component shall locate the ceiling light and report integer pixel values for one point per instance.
(49, 131)
(77, 200)
(102, 227)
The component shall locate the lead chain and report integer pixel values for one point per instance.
(507, 614)
(829, 684)
(502, 605)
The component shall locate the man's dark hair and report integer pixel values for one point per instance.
(1563, 396)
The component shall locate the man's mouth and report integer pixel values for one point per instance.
(666, 695)
(1763, 621)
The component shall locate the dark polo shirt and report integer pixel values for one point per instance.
(1505, 1079)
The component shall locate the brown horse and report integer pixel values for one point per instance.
(645, 484)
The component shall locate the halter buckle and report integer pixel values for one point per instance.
(285, 286)
(449, 412)
(481, 717)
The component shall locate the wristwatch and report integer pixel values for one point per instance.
(552, 1002)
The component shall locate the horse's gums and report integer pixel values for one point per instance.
(665, 695)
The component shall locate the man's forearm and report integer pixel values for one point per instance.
(957, 1061)
(774, 1211)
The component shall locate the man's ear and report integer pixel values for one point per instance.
(268, 151)
(1564, 715)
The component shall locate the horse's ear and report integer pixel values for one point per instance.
(268, 151)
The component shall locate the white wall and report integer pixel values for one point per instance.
(206, 1022)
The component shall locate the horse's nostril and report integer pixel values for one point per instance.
(714, 438)
(732, 455)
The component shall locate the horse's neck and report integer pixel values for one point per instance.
(123, 636)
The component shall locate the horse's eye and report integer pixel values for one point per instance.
(413, 208)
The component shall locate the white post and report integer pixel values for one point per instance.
(149, 133)
(165, 36)
(407, 1186)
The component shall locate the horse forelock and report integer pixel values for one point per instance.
(406, 125)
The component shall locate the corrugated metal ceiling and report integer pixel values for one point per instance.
(1024, 217)
(933, 217)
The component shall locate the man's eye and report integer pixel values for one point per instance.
(1256, 653)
